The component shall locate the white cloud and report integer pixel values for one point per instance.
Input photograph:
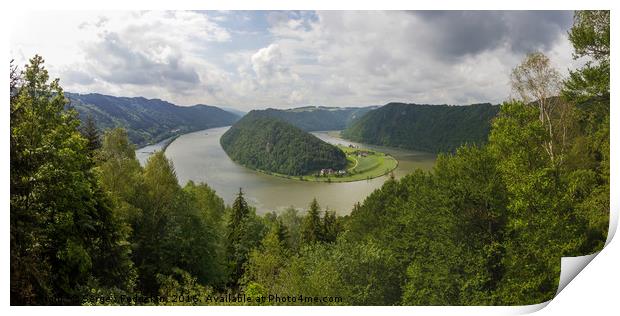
(267, 63)
(285, 59)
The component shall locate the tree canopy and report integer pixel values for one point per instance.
(270, 144)
(430, 128)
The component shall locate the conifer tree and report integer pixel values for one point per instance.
(311, 227)
(237, 228)
(330, 227)
(283, 233)
(89, 130)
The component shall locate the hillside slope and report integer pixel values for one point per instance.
(271, 144)
(311, 118)
(148, 120)
(430, 128)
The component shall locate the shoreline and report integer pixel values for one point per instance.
(305, 178)
(170, 140)
(329, 179)
(333, 180)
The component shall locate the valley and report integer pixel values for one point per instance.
(198, 157)
(356, 195)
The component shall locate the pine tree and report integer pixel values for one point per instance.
(240, 211)
(283, 233)
(89, 130)
(237, 228)
(311, 227)
(331, 227)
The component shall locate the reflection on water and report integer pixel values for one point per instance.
(199, 157)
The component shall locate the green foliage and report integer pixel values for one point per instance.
(488, 225)
(182, 289)
(90, 131)
(292, 221)
(237, 253)
(359, 273)
(588, 89)
(173, 231)
(331, 227)
(256, 290)
(271, 144)
(590, 34)
(311, 227)
(244, 232)
(316, 229)
(265, 262)
(470, 183)
(431, 128)
(422, 234)
(64, 236)
(210, 204)
(120, 170)
(538, 221)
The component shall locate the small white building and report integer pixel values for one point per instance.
(326, 171)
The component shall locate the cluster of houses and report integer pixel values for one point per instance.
(330, 171)
(361, 153)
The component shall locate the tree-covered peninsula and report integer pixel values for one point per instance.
(270, 144)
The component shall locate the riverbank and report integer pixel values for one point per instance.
(145, 152)
(364, 164)
(199, 157)
(169, 141)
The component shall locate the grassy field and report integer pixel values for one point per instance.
(371, 165)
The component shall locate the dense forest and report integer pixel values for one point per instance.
(431, 128)
(316, 118)
(487, 226)
(271, 144)
(147, 121)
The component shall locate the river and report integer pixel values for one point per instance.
(198, 156)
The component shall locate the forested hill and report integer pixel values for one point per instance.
(271, 144)
(317, 118)
(431, 128)
(148, 120)
(487, 226)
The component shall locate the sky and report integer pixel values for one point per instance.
(283, 59)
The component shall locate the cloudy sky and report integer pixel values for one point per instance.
(247, 59)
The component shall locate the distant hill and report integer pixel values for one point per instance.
(271, 144)
(233, 110)
(317, 118)
(148, 120)
(430, 128)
